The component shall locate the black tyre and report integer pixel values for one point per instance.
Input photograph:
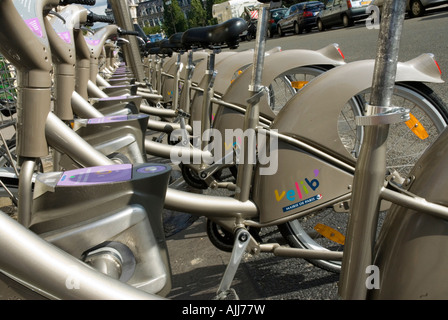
(320, 25)
(346, 21)
(416, 9)
(280, 31)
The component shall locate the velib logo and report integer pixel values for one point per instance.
(300, 193)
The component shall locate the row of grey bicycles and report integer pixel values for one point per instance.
(101, 131)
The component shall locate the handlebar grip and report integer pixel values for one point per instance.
(129, 33)
(82, 2)
(92, 17)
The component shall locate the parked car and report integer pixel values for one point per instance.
(299, 17)
(415, 8)
(274, 16)
(342, 13)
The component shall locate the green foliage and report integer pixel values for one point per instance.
(174, 18)
(200, 14)
(196, 16)
(152, 30)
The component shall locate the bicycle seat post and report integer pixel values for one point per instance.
(175, 104)
(187, 83)
(208, 95)
(251, 120)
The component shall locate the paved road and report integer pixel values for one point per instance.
(198, 266)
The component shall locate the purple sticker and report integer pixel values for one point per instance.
(96, 175)
(92, 42)
(65, 36)
(34, 25)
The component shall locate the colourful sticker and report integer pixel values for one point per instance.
(65, 36)
(92, 42)
(300, 190)
(34, 25)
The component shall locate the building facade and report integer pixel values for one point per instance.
(150, 13)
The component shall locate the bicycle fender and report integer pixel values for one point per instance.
(227, 70)
(315, 109)
(411, 250)
(275, 65)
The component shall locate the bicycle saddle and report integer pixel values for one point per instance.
(161, 47)
(174, 42)
(221, 35)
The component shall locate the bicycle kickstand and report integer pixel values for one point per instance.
(224, 292)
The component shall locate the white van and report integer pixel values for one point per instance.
(342, 13)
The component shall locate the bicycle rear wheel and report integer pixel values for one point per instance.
(285, 86)
(325, 229)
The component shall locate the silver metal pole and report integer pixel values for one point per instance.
(371, 165)
(246, 168)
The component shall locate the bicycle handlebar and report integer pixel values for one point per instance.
(92, 17)
(82, 2)
(127, 32)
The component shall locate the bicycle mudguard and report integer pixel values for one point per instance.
(412, 245)
(227, 70)
(201, 67)
(274, 66)
(316, 108)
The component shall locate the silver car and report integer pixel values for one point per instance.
(415, 8)
(342, 13)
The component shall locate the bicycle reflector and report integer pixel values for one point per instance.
(298, 84)
(438, 67)
(340, 52)
(436, 63)
(416, 127)
(330, 233)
